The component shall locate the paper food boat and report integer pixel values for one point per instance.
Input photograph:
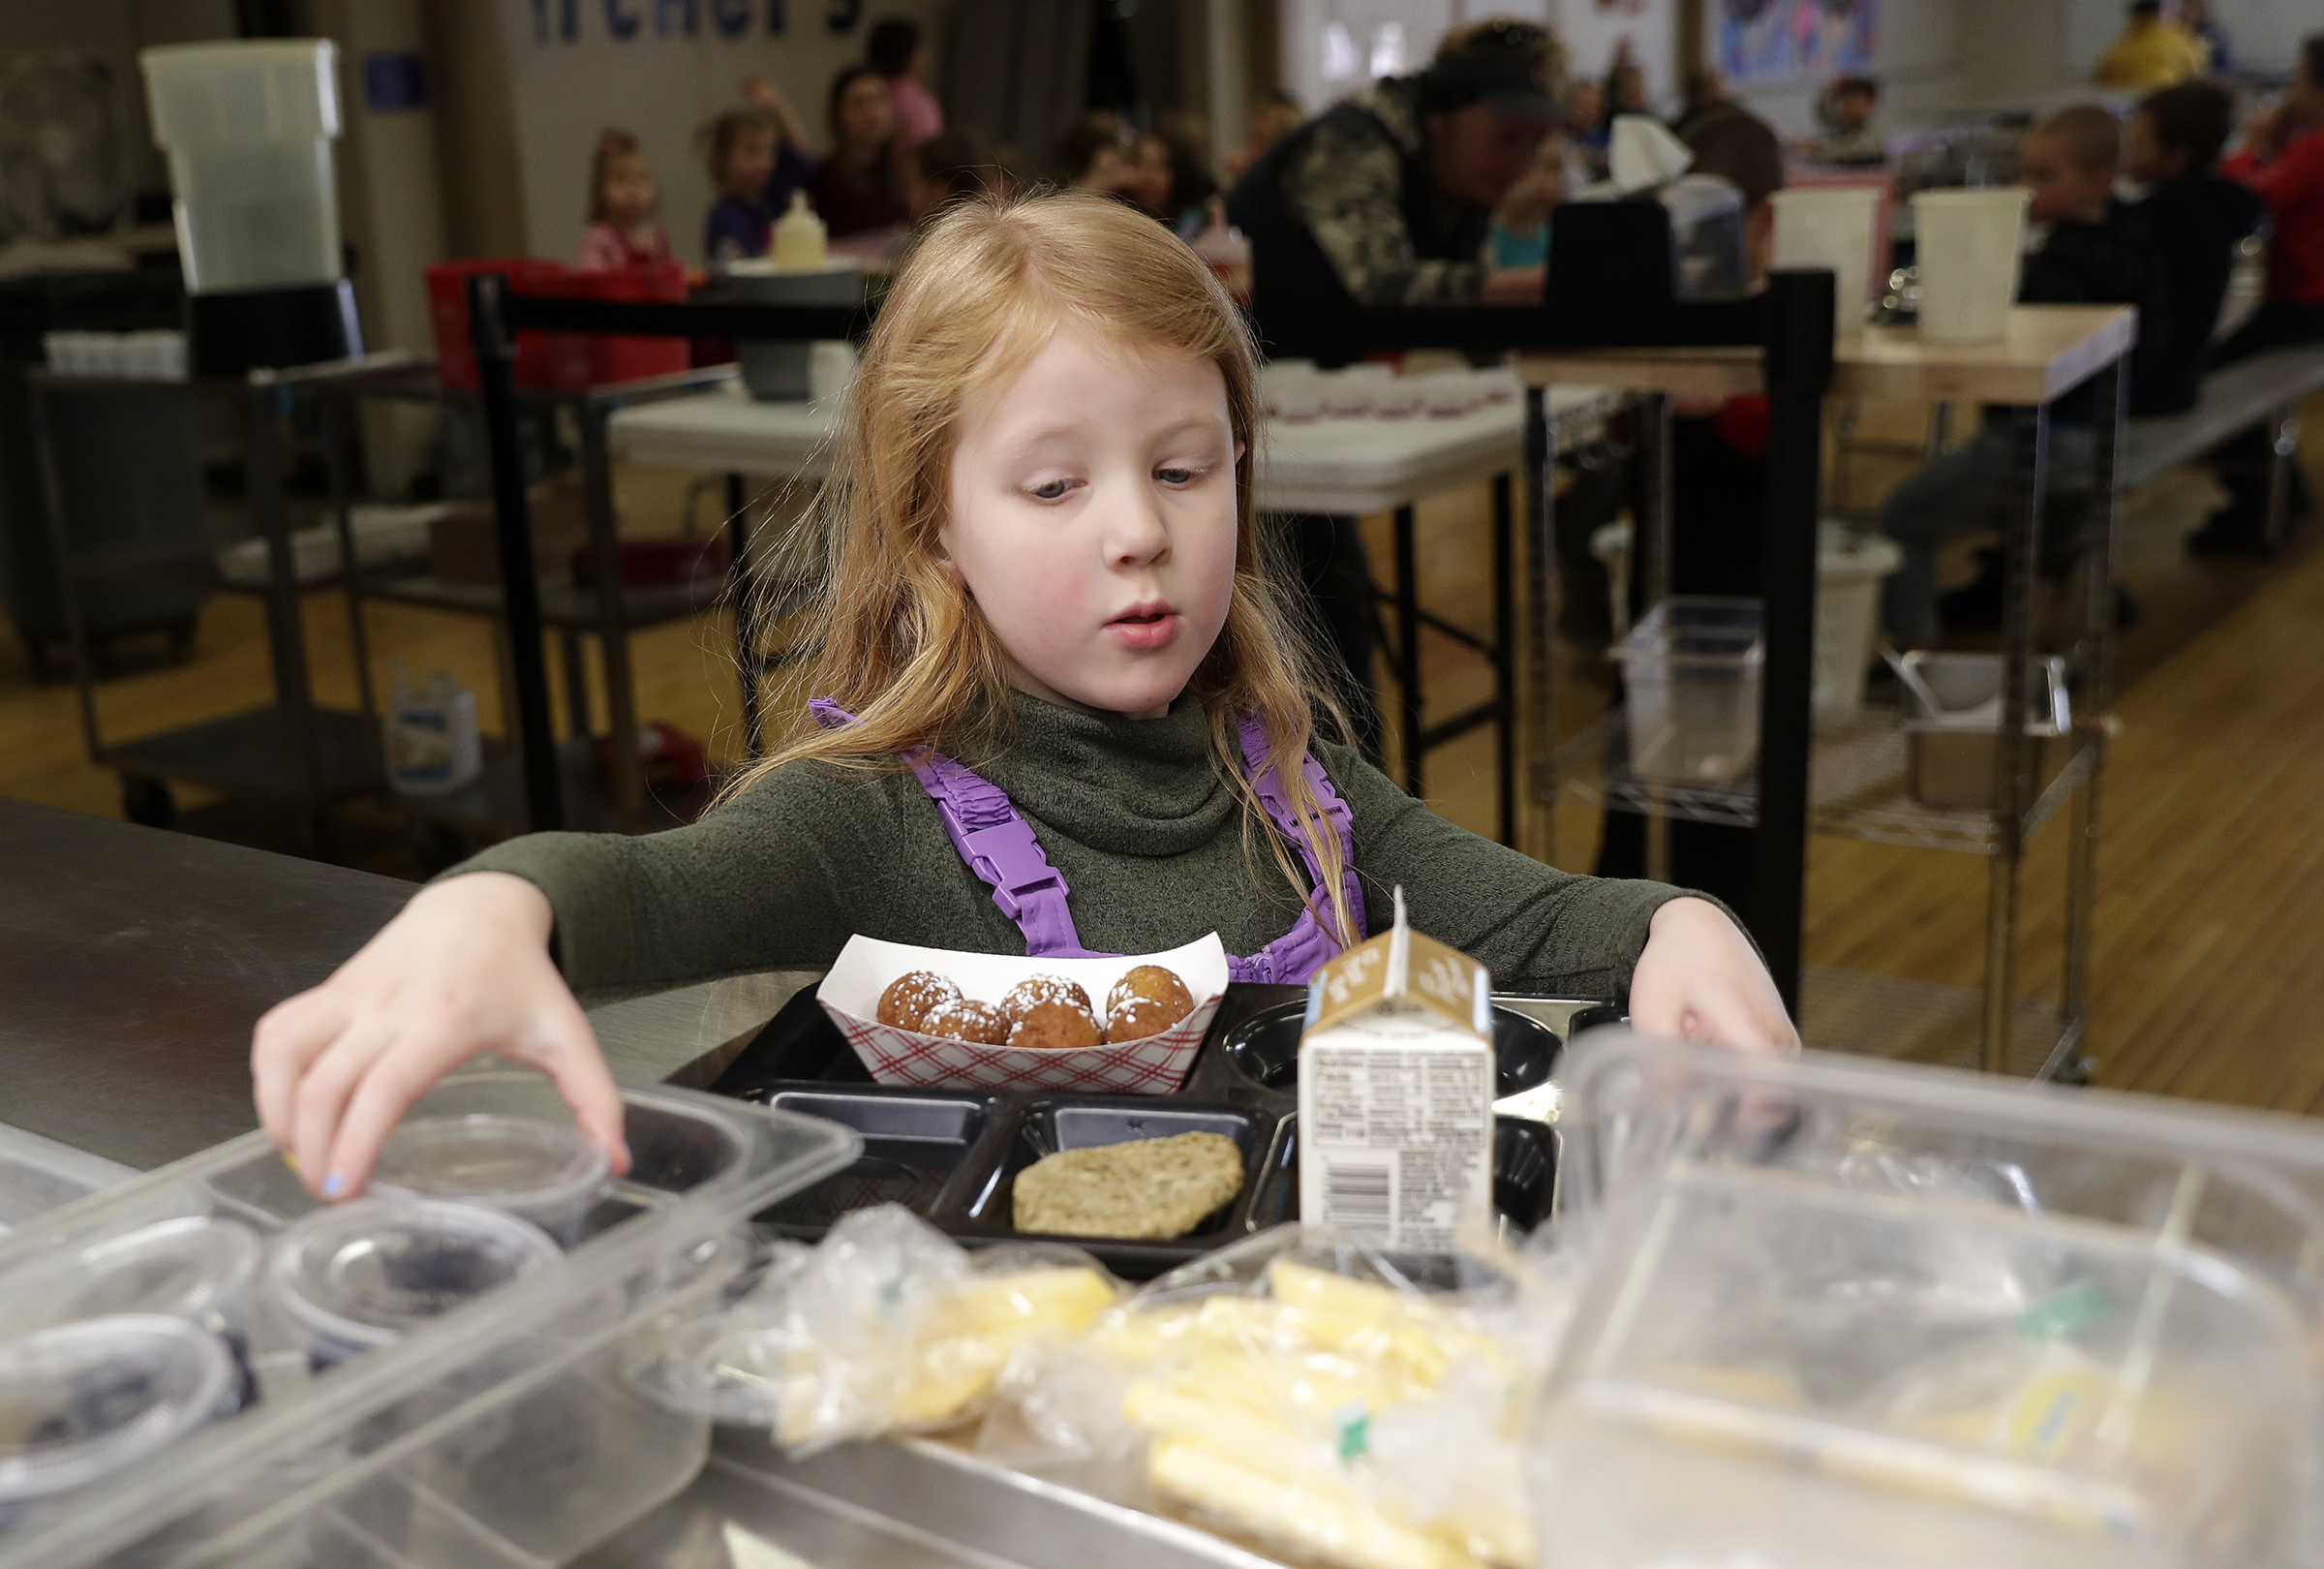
(1154, 1066)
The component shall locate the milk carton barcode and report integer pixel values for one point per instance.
(1357, 1199)
(1397, 1092)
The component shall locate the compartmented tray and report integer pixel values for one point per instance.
(952, 1155)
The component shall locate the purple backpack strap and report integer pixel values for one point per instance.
(996, 841)
(1269, 785)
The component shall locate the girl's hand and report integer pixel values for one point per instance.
(462, 969)
(1700, 979)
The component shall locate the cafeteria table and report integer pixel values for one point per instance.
(1331, 465)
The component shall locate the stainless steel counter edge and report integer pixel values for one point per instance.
(905, 1504)
(134, 964)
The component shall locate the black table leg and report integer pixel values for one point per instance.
(1408, 649)
(520, 583)
(1505, 659)
(747, 629)
(1799, 371)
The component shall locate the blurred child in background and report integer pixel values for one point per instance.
(894, 50)
(1847, 109)
(956, 165)
(2088, 254)
(2190, 220)
(862, 186)
(1274, 115)
(622, 199)
(1090, 153)
(2282, 161)
(756, 159)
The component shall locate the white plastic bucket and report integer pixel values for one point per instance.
(1830, 227)
(1966, 247)
(248, 128)
(1849, 570)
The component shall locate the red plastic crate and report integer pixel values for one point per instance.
(574, 360)
(448, 312)
(566, 360)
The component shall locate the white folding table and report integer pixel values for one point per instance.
(1340, 466)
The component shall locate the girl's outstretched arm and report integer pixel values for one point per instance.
(1699, 978)
(462, 969)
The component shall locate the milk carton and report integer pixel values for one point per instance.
(1396, 1091)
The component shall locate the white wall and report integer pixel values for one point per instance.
(660, 82)
(1593, 29)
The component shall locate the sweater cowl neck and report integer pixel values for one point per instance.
(1126, 785)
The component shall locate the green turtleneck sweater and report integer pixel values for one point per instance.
(1133, 812)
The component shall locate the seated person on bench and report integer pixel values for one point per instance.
(2283, 159)
(2088, 256)
(2189, 220)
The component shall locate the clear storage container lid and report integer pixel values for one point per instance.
(84, 1400)
(242, 90)
(1696, 630)
(368, 1271)
(189, 1268)
(526, 1167)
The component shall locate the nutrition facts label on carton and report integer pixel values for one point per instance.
(1395, 1140)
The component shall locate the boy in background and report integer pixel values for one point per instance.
(1847, 109)
(2089, 256)
(2189, 220)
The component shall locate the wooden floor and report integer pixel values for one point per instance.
(2208, 970)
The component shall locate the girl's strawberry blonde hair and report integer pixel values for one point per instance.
(901, 643)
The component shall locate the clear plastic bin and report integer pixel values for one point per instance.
(248, 127)
(1846, 1313)
(38, 1175)
(1691, 688)
(505, 1432)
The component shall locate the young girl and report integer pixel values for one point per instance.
(861, 186)
(1043, 560)
(622, 199)
(755, 162)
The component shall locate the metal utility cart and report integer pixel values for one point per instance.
(1854, 786)
(617, 799)
(496, 315)
(294, 751)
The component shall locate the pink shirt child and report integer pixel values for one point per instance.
(918, 115)
(606, 247)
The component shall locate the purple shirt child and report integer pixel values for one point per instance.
(737, 228)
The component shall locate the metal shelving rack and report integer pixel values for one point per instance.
(294, 751)
(617, 799)
(1856, 788)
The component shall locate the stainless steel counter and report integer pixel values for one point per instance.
(134, 963)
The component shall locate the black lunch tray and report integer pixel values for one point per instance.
(952, 1155)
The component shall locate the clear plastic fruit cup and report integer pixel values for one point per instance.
(551, 1173)
(359, 1276)
(82, 1401)
(195, 1267)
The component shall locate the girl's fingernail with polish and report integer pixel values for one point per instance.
(333, 1184)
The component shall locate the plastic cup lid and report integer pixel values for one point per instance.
(188, 1268)
(525, 1164)
(366, 1273)
(80, 1400)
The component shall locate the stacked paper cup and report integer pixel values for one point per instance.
(1830, 227)
(1969, 246)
